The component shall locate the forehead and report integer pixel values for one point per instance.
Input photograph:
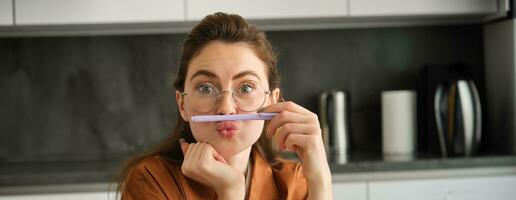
(226, 60)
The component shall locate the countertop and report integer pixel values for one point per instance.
(45, 173)
(380, 165)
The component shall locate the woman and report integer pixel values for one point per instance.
(227, 67)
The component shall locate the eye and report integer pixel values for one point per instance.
(246, 88)
(206, 89)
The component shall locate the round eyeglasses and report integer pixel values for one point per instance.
(248, 96)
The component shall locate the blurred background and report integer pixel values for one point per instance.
(86, 85)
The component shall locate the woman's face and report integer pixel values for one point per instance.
(225, 67)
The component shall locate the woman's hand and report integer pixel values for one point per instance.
(296, 128)
(203, 164)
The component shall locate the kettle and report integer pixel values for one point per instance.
(458, 119)
(334, 123)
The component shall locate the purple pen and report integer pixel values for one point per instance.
(238, 117)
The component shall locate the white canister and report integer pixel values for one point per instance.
(399, 124)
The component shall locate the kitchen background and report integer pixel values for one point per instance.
(96, 98)
(85, 85)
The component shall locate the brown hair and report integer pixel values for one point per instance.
(223, 27)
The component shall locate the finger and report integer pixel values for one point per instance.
(192, 152)
(209, 150)
(184, 146)
(286, 106)
(288, 129)
(299, 142)
(196, 150)
(286, 117)
(292, 128)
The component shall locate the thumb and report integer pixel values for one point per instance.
(219, 157)
(184, 146)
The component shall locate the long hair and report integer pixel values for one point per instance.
(223, 27)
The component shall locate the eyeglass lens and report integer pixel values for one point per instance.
(248, 96)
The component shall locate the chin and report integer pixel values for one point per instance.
(228, 151)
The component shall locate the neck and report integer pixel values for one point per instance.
(240, 160)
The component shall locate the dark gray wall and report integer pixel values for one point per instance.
(95, 98)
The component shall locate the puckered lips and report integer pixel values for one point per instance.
(227, 129)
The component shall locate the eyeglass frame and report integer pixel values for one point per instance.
(219, 97)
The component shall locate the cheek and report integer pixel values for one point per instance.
(188, 113)
(253, 130)
(197, 129)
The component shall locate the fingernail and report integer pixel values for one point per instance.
(181, 140)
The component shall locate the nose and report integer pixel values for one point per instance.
(227, 105)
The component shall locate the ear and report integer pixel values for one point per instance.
(275, 96)
(181, 106)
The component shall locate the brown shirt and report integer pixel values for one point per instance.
(157, 178)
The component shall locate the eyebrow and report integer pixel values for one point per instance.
(203, 73)
(212, 75)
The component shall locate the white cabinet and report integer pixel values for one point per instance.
(367, 8)
(62, 196)
(99, 17)
(51, 12)
(268, 9)
(6, 13)
(471, 188)
(352, 190)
